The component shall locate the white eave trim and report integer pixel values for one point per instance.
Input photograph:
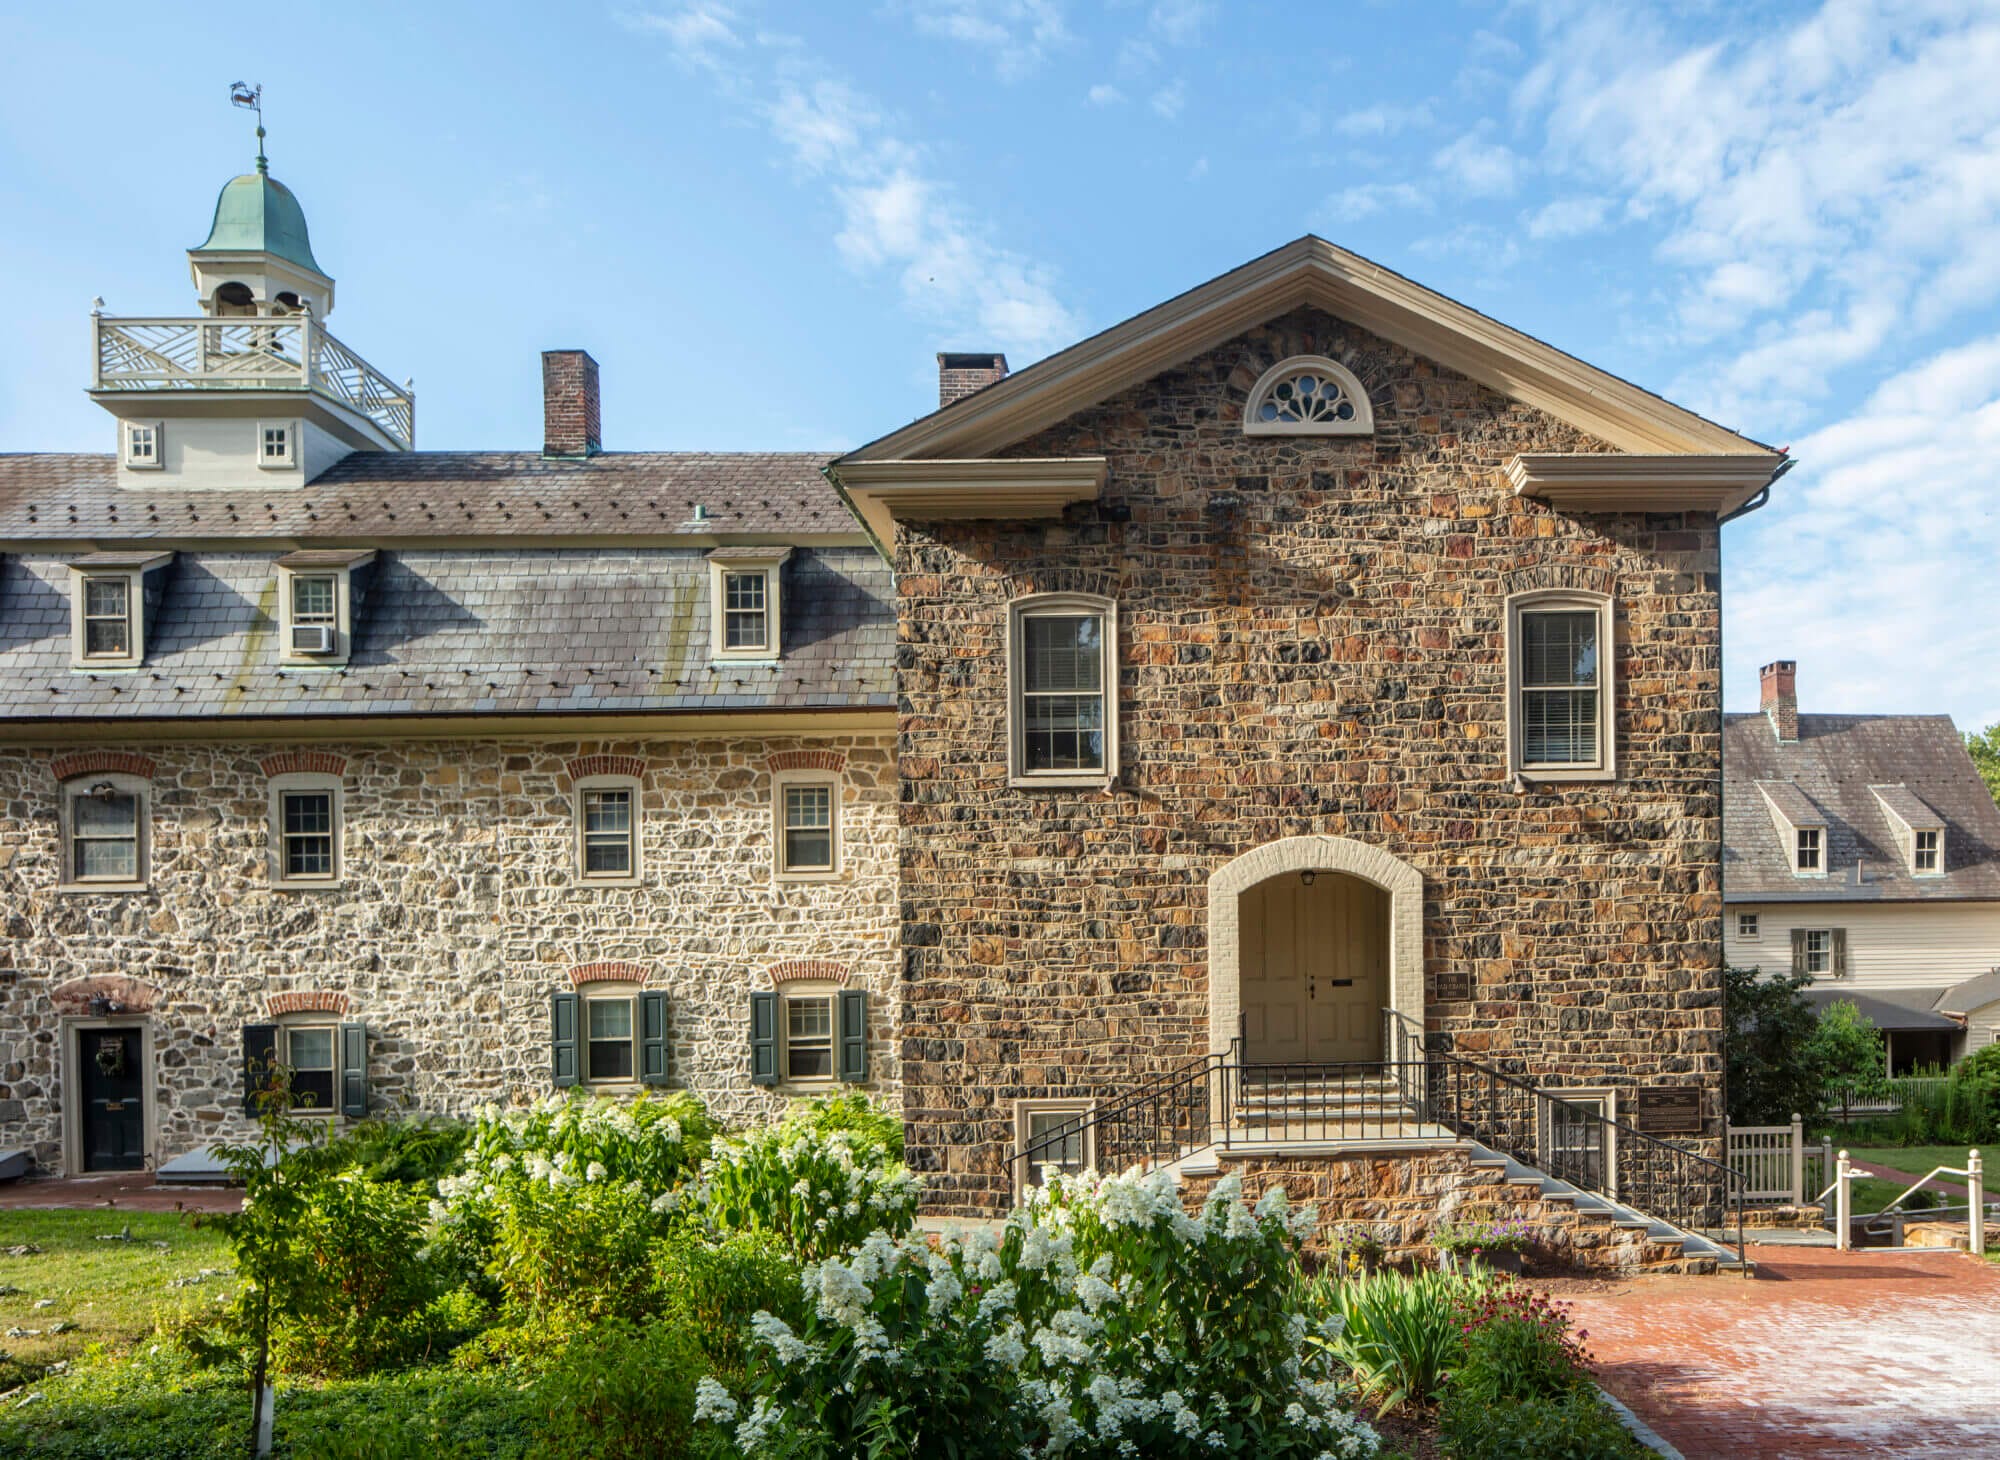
(1607, 482)
(884, 493)
(1307, 271)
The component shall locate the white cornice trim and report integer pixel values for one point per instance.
(363, 729)
(1307, 271)
(1606, 482)
(50, 546)
(885, 492)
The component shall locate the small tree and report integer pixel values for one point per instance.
(1984, 747)
(280, 1169)
(1847, 1048)
(1772, 1064)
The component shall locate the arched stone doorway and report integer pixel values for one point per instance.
(1284, 940)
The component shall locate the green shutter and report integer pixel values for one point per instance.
(653, 1037)
(764, 1039)
(853, 1061)
(562, 1037)
(260, 1052)
(354, 1071)
(1840, 953)
(1798, 950)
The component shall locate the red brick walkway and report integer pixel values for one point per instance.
(1876, 1353)
(132, 1191)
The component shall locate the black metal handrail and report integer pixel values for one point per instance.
(1169, 1116)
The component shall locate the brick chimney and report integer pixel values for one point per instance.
(571, 424)
(960, 375)
(1781, 698)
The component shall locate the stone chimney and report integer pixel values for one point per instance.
(1781, 698)
(960, 375)
(571, 424)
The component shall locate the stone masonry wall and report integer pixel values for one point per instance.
(1311, 641)
(458, 915)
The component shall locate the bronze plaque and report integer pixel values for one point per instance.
(1449, 988)
(1670, 1110)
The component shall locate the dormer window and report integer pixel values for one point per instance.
(142, 445)
(1308, 395)
(1916, 828)
(1927, 853)
(745, 598)
(316, 593)
(111, 600)
(1808, 851)
(277, 443)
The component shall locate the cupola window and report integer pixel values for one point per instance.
(142, 445)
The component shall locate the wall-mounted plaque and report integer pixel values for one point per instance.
(1451, 987)
(1669, 1110)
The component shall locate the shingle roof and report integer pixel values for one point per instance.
(1902, 1009)
(460, 630)
(1792, 803)
(1971, 995)
(1835, 764)
(377, 496)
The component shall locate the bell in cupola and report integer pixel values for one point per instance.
(258, 258)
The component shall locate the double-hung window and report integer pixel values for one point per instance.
(311, 1052)
(609, 831)
(1747, 927)
(1561, 691)
(745, 593)
(107, 832)
(107, 617)
(745, 616)
(1925, 852)
(305, 829)
(142, 445)
(809, 1037)
(807, 822)
(609, 1032)
(806, 1032)
(608, 1039)
(1063, 673)
(1809, 849)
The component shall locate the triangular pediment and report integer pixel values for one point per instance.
(1310, 272)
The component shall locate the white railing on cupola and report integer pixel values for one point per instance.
(283, 352)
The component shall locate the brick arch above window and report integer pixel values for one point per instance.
(799, 970)
(607, 765)
(1092, 582)
(99, 762)
(129, 995)
(308, 1001)
(304, 762)
(606, 971)
(806, 760)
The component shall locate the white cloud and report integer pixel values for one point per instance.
(1169, 99)
(896, 217)
(1485, 169)
(1382, 121)
(1019, 34)
(1568, 217)
(1105, 94)
(700, 31)
(1365, 199)
(1494, 251)
(1180, 22)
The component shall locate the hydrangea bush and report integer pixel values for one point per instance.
(810, 1183)
(1104, 1321)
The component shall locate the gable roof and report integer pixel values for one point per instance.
(1836, 768)
(1309, 271)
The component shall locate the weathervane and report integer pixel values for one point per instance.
(243, 94)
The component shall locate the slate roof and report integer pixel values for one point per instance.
(1971, 995)
(1834, 765)
(1888, 1008)
(376, 496)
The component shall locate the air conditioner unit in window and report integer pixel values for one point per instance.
(312, 638)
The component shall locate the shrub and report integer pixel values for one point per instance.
(1771, 1068)
(554, 1208)
(1105, 1321)
(818, 1182)
(714, 1286)
(1518, 1345)
(419, 1152)
(871, 1127)
(1399, 1336)
(1472, 1237)
(1576, 1426)
(624, 1389)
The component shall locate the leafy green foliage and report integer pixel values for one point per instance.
(1846, 1050)
(1576, 1426)
(1518, 1345)
(625, 1389)
(1964, 1111)
(1400, 1336)
(713, 1286)
(418, 1152)
(1772, 1072)
(1984, 748)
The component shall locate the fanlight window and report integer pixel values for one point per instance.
(1308, 396)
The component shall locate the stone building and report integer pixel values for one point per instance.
(1162, 743)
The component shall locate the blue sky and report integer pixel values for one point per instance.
(765, 219)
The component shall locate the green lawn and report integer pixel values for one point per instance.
(110, 1291)
(1917, 1160)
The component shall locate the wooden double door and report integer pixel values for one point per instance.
(1314, 965)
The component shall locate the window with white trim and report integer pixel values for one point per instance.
(316, 595)
(277, 445)
(306, 812)
(608, 814)
(1560, 692)
(611, 1037)
(312, 1051)
(107, 616)
(142, 445)
(806, 820)
(109, 607)
(1818, 944)
(105, 832)
(1308, 395)
(1051, 1133)
(745, 597)
(1062, 664)
(1808, 850)
(808, 1036)
(1927, 852)
(1748, 927)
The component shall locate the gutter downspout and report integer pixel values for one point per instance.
(882, 550)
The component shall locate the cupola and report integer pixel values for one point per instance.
(258, 257)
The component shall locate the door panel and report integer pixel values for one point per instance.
(1314, 969)
(112, 1098)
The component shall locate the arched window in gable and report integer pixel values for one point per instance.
(1308, 395)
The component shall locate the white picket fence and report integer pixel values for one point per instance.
(1776, 1164)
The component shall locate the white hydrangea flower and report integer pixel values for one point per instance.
(713, 1404)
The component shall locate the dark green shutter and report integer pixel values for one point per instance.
(260, 1052)
(1840, 953)
(1798, 950)
(853, 1063)
(562, 1037)
(354, 1071)
(764, 1039)
(653, 1038)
